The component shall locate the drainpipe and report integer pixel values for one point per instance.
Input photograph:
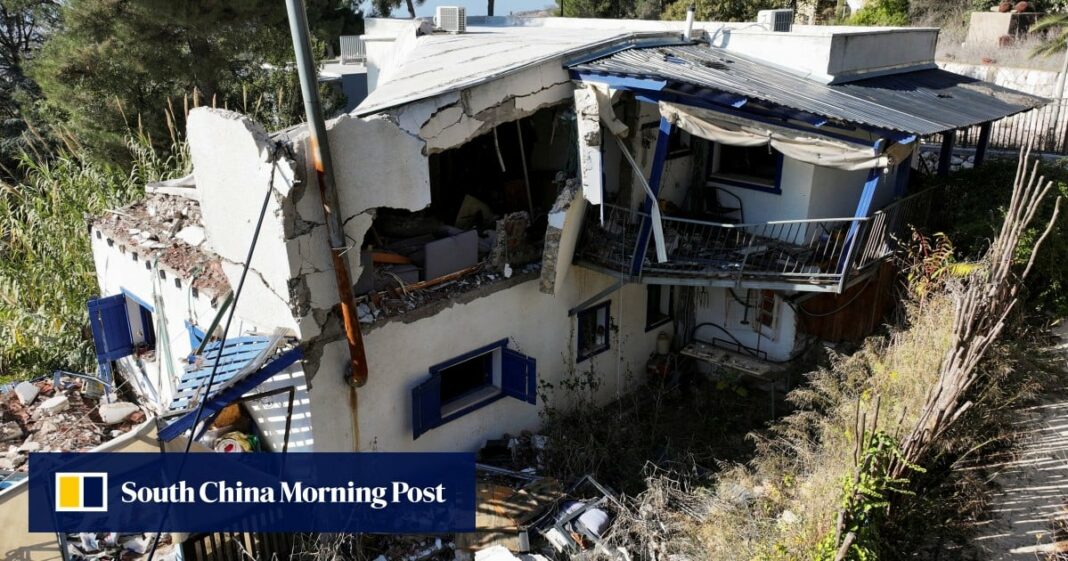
(324, 171)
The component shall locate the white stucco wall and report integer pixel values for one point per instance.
(117, 270)
(779, 342)
(399, 355)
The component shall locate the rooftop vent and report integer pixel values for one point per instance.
(451, 18)
(776, 20)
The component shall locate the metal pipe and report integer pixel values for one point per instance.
(324, 170)
(688, 35)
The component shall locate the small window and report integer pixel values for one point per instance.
(747, 166)
(471, 381)
(593, 326)
(753, 309)
(658, 305)
(122, 325)
(142, 323)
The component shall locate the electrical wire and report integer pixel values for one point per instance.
(226, 328)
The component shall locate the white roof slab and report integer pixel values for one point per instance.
(441, 63)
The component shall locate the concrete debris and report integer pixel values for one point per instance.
(414, 548)
(26, 392)
(111, 546)
(192, 235)
(67, 420)
(167, 229)
(413, 301)
(54, 405)
(10, 431)
(512, 246)
(115, 413)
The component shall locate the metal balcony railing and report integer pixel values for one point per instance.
(808, 254)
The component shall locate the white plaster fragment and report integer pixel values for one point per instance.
(26, 392)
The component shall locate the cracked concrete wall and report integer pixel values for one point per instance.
(399, 355)
(452, 119)
(590, 136)
(561, 236)
(232, 167)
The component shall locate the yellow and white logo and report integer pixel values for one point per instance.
(81, 492)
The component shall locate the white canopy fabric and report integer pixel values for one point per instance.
(720, 128)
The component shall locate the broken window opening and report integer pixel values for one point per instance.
(593, 327)
(659, 300)
(489, 210)
(746, 166)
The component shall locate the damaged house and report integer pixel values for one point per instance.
(521, 202)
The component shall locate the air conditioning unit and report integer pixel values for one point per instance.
(776, 20)
(451, 18)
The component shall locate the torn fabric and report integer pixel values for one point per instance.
(718, 127)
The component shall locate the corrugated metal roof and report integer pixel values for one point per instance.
(921, 102)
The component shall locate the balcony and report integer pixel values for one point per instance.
(815, 255)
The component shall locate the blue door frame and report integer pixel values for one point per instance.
(655, 175)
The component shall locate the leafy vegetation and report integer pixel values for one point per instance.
(882, 13)
(108, 60)
(46, 266)
(979, 201)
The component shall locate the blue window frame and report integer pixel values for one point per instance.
(471, 381)
(594, 326)
(196, 335)
(750, 167)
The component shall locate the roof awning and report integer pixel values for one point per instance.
(921, 102)
(246, 362)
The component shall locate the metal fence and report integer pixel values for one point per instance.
(820, 253)
(1046, 126)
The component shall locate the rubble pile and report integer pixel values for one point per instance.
(112, 546)
(414, 548)
(401, 300)
(41, 417)
(168, 228)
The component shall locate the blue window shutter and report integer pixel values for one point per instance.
(111, 327)
(519, 376)
(426, 406)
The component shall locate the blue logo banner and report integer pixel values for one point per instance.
(308, 492)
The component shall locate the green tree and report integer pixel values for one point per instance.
(384, 8)
(631, 9)
(24, 24)
(1055, 26)
(888, 13)
(112, 63)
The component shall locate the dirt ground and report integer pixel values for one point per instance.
(1030, 506)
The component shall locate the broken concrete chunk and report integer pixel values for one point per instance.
(30, 446)
(115, 413)
(54, 405)
(26, 392)
(10, 431)
(192, 235)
